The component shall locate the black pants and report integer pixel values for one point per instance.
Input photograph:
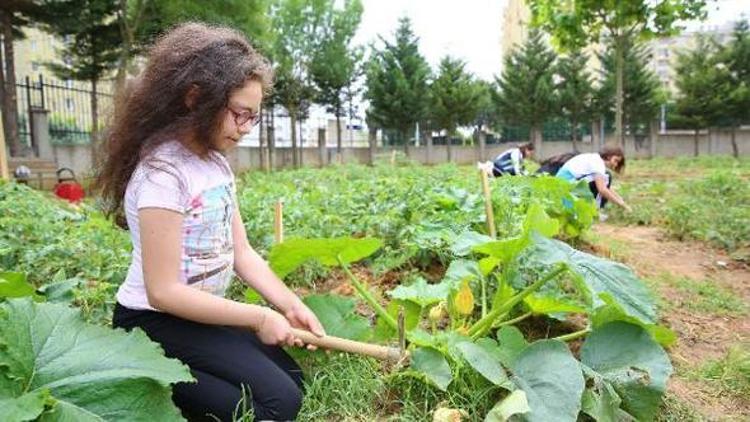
(223, 360)
(601, 201)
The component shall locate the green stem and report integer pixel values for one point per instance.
(483, 281)
(367, 296)
(513, 321)
(481, 327)
(574, 335)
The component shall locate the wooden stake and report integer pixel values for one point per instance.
(4, 170)
(278, 222)
(350, 346)
(488, 204)
(393, 158)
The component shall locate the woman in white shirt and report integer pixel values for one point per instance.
(593, 167)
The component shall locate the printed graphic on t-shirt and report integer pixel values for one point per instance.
(207, 259)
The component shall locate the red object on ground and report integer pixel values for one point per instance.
(68, 188)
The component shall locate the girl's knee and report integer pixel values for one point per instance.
(279, 407)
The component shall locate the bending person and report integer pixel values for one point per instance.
(510, 162)
(592, 167)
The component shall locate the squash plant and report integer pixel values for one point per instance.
(467, 321)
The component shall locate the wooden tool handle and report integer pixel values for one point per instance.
(349, 346)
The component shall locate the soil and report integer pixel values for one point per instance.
(701, 337)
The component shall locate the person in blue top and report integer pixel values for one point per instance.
(510, 162)
(593, 167)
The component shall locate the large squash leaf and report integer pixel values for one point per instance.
(598, 276)
(15, 285)
(422, 293)
(552, 380)
(432, 364)
(485, 362)
(286, 257)
(92, 373)
(637, 367)
(337, 315)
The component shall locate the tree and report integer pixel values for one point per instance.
(296, 25)
(14, 14)
(334, 65)
(642, 96)
(698, 82)
(526, 90)
(734, 67)
(578, 23)
(92, 43)
(575, 91)
(454, 98)
(397, 83)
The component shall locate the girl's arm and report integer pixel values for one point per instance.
(256, 273)
(608, 193)
(160, 232)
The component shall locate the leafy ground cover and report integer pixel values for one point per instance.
(521, 325)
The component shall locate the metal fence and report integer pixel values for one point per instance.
(69, 106)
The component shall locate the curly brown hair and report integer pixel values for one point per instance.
(205, 62)
(613, 151)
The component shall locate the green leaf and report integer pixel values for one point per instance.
(61, 291)
(252, 296)
(466, 241)
(597, 277)
(628, 357)
(504, 250)
(422, 293)
(15, 285)
(511, 344)
(552, 380)
(513, 404)
(412, 313)
(288, 256)
(24, 408)
(93, 373)
(601, 401)
(432, 364)
(421, 338)
(460, 270)
(338, 317)
(614, 312)
(485, 363)
(544, 305)
(538, 221)
(488, 264)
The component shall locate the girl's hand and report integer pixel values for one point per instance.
(300, 316)
(274, 329)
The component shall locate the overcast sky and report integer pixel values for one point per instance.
(470, 29)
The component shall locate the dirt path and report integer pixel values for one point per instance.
(702, 336)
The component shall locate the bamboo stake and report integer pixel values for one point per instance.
(350, 346)
(278, 222)
(488, 204)
(4, 171)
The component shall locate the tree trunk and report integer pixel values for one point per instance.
(735, 149)
(619, 74)
(405, 138)
(272, 140)
(449, 144)
(293, 120)
(696, 143)
(574, 132)
(261, 150)
(301, 149)
(372, 140)
(10, 109)
(94, 114)
(536, 140)
(338, 132)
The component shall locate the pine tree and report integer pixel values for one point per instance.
(575, 91)
(397, 83)
(642, 95)
(526, 90)
(698, 82)
(734, 64)
(454, 98)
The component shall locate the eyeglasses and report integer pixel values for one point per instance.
(240, 118)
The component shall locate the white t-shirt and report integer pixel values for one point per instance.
(583, 166)
(203, 191)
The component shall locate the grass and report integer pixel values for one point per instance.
(729, 375)
(696, 198)
(675, 410)
(706, 297)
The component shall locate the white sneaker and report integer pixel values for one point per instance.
(603, 217)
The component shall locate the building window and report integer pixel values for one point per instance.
(69, 105)
(68, 83)
(33, 45)
(34, 66)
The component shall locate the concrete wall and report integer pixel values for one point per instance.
(670, 144)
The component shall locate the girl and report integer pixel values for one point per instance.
(592, 167)
(510, 162)
(164, 175)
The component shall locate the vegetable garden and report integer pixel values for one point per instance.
(533, 324)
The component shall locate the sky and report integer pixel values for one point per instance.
(471, 29)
